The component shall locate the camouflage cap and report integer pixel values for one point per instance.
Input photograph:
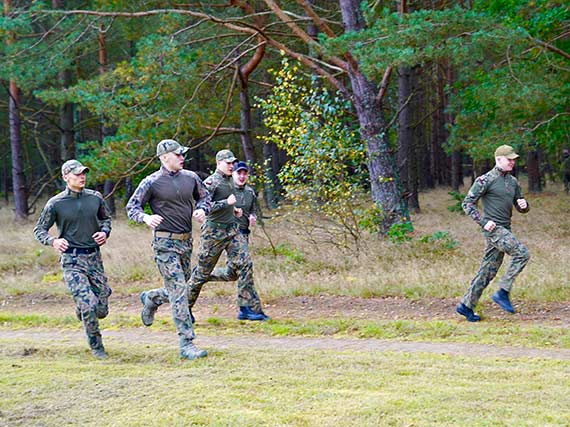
(226, 156)
(506, 151)
(170, 146)
(73, 166)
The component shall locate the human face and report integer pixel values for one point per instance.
(225, 167)
(172, 161)
(75, 182)
(240, 177)
(507, 165)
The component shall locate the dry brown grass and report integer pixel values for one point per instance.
(412, 270)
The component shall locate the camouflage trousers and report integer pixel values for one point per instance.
(213, 241)
(85, 278)
(500, 241)
(173, 258)
(566, 181)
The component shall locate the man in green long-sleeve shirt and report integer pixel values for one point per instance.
(499, 191)
(83, 224)
(221, 233)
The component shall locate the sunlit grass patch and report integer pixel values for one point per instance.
(56, 383)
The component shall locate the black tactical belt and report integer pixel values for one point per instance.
(80, 251)
(175, 236)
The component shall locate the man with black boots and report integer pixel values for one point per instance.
(83, 225)
(499, 191)
(171, 192)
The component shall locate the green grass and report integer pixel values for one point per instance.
(501, 333)
(58, 384)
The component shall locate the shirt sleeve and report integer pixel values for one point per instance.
(211, 183)
(104, 216)
(135, 206)
(45, 222)
(255, 207)
(469, 204)
(519, 195)
(202, 196)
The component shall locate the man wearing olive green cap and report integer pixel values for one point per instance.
(221, 233)
(499, 191)
(175, 196)
(83, 224)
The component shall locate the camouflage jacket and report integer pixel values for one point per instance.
(77, 215)
(499, 192)
(170, 195)
(221, 187)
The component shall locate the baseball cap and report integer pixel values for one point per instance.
(226, 156)
(170, 146)
(506, 151)
(73, 166)
(241, 166)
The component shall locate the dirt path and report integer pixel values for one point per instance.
(317, 307)
(148, 336)
(320, 307)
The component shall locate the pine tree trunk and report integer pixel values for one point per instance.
(246, 121)
(533, 170)
(384, 179)
(405, 131)
(67, 141)
(109, 185)
(456, 170)
(18, 178)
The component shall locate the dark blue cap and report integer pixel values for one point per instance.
(240, 166)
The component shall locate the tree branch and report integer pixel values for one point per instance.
(316, 18)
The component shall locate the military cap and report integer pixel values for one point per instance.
(506, 151)
(170, 146)
(73, 166)
(226, 156)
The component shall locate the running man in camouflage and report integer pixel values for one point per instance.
(221, 233)
(247, 207)
(499, 191)
(170, 192)
(83, 225)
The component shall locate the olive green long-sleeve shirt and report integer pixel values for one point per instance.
(247, 201)
(220, 187)
(499, 192)
(77, 215)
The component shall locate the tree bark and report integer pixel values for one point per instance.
(108, 185)
(18, 178)
(384, 179)
(533, 170)
(405, 131)
(245, 120)
(67, 141)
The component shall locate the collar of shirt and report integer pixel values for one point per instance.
(73, 194)
(165, 171)
(223, 175)
(501, 171)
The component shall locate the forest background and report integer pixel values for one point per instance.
(348, 109)
(358, 118)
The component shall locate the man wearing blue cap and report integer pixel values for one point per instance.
(221, 233)
(247, 207)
